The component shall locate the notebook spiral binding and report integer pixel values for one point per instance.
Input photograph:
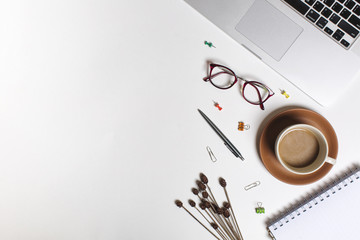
(313, 199)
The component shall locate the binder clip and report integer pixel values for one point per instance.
(209, 44)
(260, 209)
(242, 126)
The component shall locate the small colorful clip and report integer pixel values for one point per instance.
(242, 126)
(217, 105)
(284, 93)
(209, 44)
(260, 209)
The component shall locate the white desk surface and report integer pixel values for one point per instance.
(100, 132)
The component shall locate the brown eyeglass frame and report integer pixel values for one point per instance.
(254, 84)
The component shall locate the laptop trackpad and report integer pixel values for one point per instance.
(269, 29)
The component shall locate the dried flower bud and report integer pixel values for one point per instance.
(226, 205)
(222, 182)
(203, 178)
(192, 203)
(178, 203)
(214, 225)
(205, 194)
(207, 204)
(202, 206)
(215, 207)
(195, 191)
(226, 213)
(219, 211)
(201, 185)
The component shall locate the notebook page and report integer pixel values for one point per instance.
(332, 215)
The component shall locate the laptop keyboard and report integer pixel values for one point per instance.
(338, 19)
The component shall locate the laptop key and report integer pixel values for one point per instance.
(321, 23)
(326, 12)
(311, 2)
(298, 5)
(346, 27)
(329, 2)
(337, 7)
(328, 30)
(345, 43)
(338, 35)
(354, 21)
(345, 13)
(349, 4)
(356, 10)
(318, 6)
(334, 18)
(312, 15)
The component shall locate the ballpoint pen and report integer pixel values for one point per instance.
(227, 143)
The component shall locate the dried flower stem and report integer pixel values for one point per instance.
(221, 219)
(179, 204)
(221, 222)
(223, 227)
(232, 211)
(216, 227)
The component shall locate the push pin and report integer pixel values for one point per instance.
(217, 105)
(260, 209)
(284, 93)
(209, 44)
(242, 126)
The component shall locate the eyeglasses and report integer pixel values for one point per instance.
(224, 78)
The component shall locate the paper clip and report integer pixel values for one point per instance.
(242, 126)
(252, 185)
(211, 154)
(260, 209)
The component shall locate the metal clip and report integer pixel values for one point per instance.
(211, 154)
(252, 185)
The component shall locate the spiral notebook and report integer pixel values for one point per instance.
(332, 212)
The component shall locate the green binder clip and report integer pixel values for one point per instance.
(260, 209)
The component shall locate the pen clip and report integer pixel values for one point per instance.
(232, 150)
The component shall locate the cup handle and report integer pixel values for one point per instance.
(330, 160)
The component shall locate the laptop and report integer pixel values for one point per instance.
(312, 43)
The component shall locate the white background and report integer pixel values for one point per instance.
(99, 129)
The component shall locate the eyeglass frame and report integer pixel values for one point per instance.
(254, 84)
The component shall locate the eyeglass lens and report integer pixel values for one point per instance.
(252, 91)
(222, 78)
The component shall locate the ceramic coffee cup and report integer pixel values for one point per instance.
(302, 149)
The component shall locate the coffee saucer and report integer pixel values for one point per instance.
(285, 119)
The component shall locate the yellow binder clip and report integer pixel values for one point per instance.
(242, 126)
